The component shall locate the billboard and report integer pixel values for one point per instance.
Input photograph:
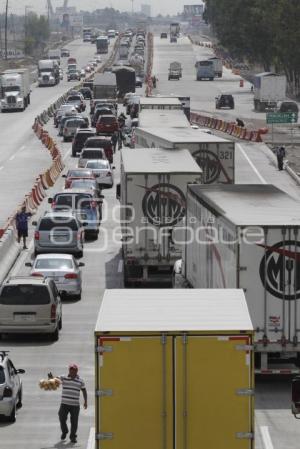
(193, 10)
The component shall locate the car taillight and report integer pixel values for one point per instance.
(36, 235)
(71, 276)
(108, 173)
(7, 392)
(78, 235)
(37, 274)
(53, 313)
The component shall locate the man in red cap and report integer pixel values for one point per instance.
(72, 384)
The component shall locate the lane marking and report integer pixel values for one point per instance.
(264, 430)
(91, 440)
(67, 154)
(120, 266)
(1, 168)
(12, 157)
(263, 181)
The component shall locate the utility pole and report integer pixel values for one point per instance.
(5, 38)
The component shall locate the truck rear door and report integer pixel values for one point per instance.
(213, 393)
(134, 393)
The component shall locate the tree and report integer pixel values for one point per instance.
(36, 33)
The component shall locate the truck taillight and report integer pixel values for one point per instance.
(53, 313)
(71, 276)
(7, 392)
(36, 235)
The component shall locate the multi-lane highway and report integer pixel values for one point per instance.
(37, 424)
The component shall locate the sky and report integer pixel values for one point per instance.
(158, 6)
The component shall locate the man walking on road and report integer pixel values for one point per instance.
(72, 384)
(280, 153)
(22, 225)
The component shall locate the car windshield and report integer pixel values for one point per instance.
(92, 154)
(23, 294)
(54, 264)
(107, 120)
(82, 137)
(97, 164)
(74, 98)
(49, 224)
(81, 200)
(83, 184)
(2, 375)
(79, 173)
(74, 123)
(98, 143)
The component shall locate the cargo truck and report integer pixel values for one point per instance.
(15, 89)
(125, 77)
(48, 70)
(174, 29)
(205, 70)
(55, 55)
(102, 44)
(269, 88)
(213, 154)
(248, 236)
(105, 85)
(152, 196)
(150, 118)
(160, 103)
(218, 66)
(174, 369)
(123, 51)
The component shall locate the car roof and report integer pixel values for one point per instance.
(97, 160)
(24, 280)
(72, 191)
(54, 256)
(98, 138)
(105, 115)
(63, 214)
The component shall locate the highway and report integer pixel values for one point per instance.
(37, 424)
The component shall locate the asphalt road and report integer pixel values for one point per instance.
(19, 146)
(37, 422)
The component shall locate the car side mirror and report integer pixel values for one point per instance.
(50, 200)
(101, 196)
(20, 371)
(84, 223)
(63, 176)
(81, 264)
(34, 223)
(28, 264)
(113, 167)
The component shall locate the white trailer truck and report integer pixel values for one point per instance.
(218, 66)
(150, 118)
(55, 55)
(152, 195)
(269, 89)
(248, 236)
(15, 89)
(48, 72)
(213, 154)
(168, 364)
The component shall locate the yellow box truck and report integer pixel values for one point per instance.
(174, 369)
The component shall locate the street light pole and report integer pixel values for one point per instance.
(5, 38)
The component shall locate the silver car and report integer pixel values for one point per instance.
(90, 153)
(103, 172)
(59, 232)
(63, 269)
(70, 127)
(30, 305)
(10, 387)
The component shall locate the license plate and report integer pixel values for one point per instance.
(24, 318)
(59, 238)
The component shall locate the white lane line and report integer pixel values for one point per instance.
(120, 266)
(1, 168)
(22, 147)
(12, 157)
(91, 440)
(67, 154)
(252, 165)
(264, 430)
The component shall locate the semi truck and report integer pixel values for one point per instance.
(123, 51)
(105, 85)
(125, 77)
(168, 364)
(54, 54)
(15, 89)
(205, 70)
(152, 196)
(269, 89)
(160, 103)
(213, 154)
(218, 66)
(48, 72)
(248, 236)
(163, 119)
(102, 44)
(174, 29)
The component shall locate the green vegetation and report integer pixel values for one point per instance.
(261, 31)
(36, 33)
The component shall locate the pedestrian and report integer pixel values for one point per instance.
(114, 140)
(240, 123)
(280, 154)
(22, 225)
(72, 384)
(154, 80)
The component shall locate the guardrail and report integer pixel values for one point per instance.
(149, 84)
(9, 251)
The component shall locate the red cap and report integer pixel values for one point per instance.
(73, 366)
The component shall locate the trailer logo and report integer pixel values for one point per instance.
(163, 204)
(280, 270)
(210, 165)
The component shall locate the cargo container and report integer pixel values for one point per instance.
(248, 236)
(153, 189)
(205, 70)
(105, 85)
(269, 88)
(160, 103)
(102, 44)
(214, 155)
(15, 89)
(174, 369)
(151, 118)
(218, 66)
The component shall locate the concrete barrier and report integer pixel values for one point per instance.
(9, 251)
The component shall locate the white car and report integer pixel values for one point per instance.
(61, 74)
(63, 269)
(10, 387)
(102, 171)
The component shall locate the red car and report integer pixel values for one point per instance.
(107, 124)
(77, 173)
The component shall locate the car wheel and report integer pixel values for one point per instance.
(64, 139)
(60, 324)
(13, 415)
(79, 254)
(74, 154)
(55, 334)
(78, 296)
(20, 395)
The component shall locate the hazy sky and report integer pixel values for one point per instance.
(158, 6)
